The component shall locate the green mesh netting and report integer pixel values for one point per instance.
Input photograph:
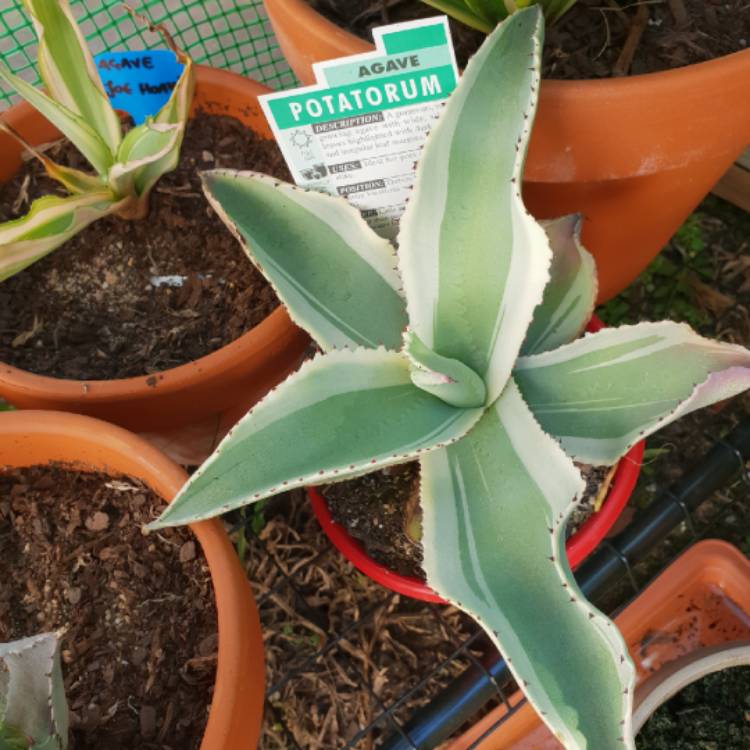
(233, 34)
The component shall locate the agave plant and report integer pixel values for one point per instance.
(420, 360)
(484, 15)
(125, 167)
(33, 710)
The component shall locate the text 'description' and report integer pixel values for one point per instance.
(358, 131)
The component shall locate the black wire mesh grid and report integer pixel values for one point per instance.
(727, 519)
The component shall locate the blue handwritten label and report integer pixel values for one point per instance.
(140, 83)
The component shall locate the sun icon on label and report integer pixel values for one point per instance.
(301, 139)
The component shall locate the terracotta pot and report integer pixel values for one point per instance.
(38, 437)
(701, 600)
(578, 547)
(189, 400)
(633, 155)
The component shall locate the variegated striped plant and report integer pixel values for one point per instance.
(421, 361)
(126, 168)
(484, 15)
(33, 709)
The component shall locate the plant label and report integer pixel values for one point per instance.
(139, 83)
(358, 131)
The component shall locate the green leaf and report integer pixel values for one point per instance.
(554, 10)
(177, 108)
(474, 262)
(601, 394)
(146, 153)
(12, 739)
(68, 71)
(50, 222)
(448, 379)
(343, 414)
(485, 14)
(459, 10)
(32, 695)
(570, 295)
(72, 126)
(334, 274)
(73, 180)
(492, 11)
(494, 509)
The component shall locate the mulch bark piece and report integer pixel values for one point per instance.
(137, 610)
(377, 509)
(96, 308)
(589, 39)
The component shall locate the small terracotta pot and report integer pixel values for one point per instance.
(187, 400)
(30, 438)
(700, 601)
(578, 547)
(634, 155)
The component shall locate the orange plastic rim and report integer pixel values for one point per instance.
(37, 437)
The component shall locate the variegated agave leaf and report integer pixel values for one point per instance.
(337, 278)
(602, 393)
(68, 71)
(497, 489)
(569, 298)
(77, 130)
(140, 163)
(33, 709)
(494, 510)
(50, 222)
(73, 180)
(474, 262)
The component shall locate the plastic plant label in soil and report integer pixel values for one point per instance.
(138, 83)
(358, 131)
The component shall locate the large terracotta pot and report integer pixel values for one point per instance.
(701, 600)
(633, 155)
(184, 407)
(38, 437)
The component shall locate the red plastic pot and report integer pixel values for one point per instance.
(578, 546)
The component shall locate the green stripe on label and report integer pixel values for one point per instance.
(413, 39)
(363, 97)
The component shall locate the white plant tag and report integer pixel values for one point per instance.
(358, 131)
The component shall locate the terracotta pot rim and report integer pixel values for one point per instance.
(312, 18)
(244, 346)
(233, 596)
(248, 345)
(578, 547)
